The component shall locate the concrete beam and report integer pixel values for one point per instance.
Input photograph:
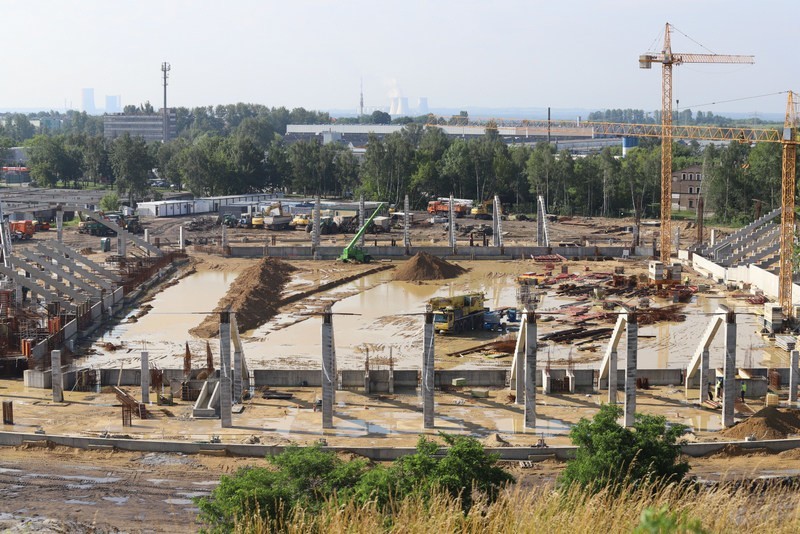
(76, 296)
(78, 257)
(74, 267)
(698, 362)
(58, 270)
(31, 284)
(122, 235)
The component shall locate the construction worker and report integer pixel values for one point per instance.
(744, 389)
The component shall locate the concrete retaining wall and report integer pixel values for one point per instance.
(16, 439)
(289, 378)
(463, 252)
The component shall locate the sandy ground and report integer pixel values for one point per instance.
(140, 492)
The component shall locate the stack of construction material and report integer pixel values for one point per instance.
(656, 271)
(786, 343)
(773, 316)
(675, 272)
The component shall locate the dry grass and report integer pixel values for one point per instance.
(774, 510)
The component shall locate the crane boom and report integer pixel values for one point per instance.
(667, 59)
(351, 251)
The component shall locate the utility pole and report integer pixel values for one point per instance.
(165, 68)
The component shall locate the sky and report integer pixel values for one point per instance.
(576, 54)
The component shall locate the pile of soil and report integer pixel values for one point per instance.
(254, 296)
(733, 451)
(423, 266)
(768, 423)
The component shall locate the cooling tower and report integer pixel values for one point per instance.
(422, 105)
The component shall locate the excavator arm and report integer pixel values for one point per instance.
(352, 252)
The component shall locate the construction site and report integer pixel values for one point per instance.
(189, 345)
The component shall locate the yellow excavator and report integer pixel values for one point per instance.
(481, 211)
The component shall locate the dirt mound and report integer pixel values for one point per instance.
(791, 454)
(767, 423)
(423, 266)
(255, 296)
(495, 440)
(732, 451)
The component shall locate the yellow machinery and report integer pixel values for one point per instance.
(452, 315)
(481, 211)
(300, 221)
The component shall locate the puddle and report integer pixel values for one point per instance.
(384, 314)
(178, 501)
(190, 494)
(76, 501)
(206, 483)
(9, 470)
(116, 500)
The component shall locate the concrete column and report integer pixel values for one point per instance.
(612, 377)
(225, 393)
(704, 376)
(366, 374)
(238, 362)
(793, 376)
(224, 238)
(315, 218)
(530, 369)
(406, 227)
(57, 377)
(121, 243)
(427, 372)
(497, 228)
(519, 363)
(146, 235)
(328, 370)
(729, 370)
(451, 215)
(391, 370)
(713, 237)
(145, 378)
(630, 368)
(362, 217)
(59, 223)
(180, 238)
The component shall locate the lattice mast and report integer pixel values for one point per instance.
(667, 59)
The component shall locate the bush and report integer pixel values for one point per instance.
(110, 202)
(299, 477)
(309, 478)
(609, 454)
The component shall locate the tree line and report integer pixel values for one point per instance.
(241, 148)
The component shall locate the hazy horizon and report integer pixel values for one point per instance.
(316, 54)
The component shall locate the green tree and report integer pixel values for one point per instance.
(110, 202)
(610, 455)
(380, 117)
(132, 162)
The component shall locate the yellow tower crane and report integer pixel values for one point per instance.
(667, 59)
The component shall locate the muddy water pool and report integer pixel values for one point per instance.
(376, 314)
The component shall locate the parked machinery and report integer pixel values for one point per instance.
(452, 315)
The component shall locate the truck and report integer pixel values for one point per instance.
(438, 207)
(481, 211)
(453, 315)
(23, 229)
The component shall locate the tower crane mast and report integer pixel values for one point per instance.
(667, 58)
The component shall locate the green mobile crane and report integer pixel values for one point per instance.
(353, 252)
